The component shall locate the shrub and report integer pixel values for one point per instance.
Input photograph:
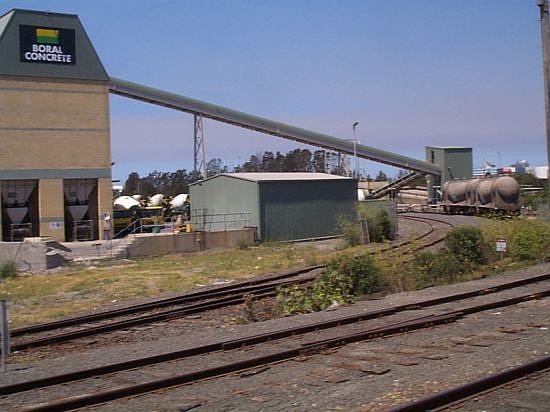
(343, 280)
(528, 239)
(379, 226)
(7, 269)
(465, 250)
(361, 271)
(349, 229)
(432, 268)
(467, 244)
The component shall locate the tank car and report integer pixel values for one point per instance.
(481, 195)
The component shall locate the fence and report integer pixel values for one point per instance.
(202, 220)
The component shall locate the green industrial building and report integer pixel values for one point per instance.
(455, 163)
(281, 206)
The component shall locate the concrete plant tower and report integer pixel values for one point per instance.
(55, 147)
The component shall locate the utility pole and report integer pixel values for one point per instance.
(545, 37)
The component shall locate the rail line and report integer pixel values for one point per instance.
(476, 387)
(311, 347)
(244, 287)
(191, 303)
(235, 298)
(427, 220)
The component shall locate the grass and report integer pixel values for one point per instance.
(44, 297)
(41, 298)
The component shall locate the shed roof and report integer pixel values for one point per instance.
(449, 147)
(280, 176)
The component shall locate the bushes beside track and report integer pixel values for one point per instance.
(470, 249)
(528, 239)
(380, 226)
(467, 250)
(342, 281)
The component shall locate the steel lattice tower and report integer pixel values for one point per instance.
(199, 157)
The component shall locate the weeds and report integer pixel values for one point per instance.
(243, 244)
(249, 312)
(7, 270)
(467, 245)
(380, 227)
(342, 281)
(395, 271)
(528, 240)
(256, 311)
(434, 268)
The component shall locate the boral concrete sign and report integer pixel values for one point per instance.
(46, 45)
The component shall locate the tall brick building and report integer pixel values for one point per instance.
(55, 149)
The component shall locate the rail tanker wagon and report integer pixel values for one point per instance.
(480, 195)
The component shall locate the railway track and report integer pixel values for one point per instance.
(312, 334)
(192, 303)
(430, 238)
(181, 307)
(461, 394)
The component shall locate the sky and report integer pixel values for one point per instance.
(413, 73)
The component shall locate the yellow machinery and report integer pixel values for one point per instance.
(138, 220)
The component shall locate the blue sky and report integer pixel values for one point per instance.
(414, 73)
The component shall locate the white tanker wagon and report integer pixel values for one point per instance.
(481, 195)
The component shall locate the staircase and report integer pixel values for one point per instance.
(97, 250)
(394, 185)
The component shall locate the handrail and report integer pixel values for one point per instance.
(135, 227)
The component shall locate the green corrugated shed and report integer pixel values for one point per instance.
(282, 206)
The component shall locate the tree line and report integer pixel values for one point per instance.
(297, 160)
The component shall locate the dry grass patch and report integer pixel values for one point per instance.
(44, 297)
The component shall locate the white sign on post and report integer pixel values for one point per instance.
(501, 245)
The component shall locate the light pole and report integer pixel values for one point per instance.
(355, 151)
